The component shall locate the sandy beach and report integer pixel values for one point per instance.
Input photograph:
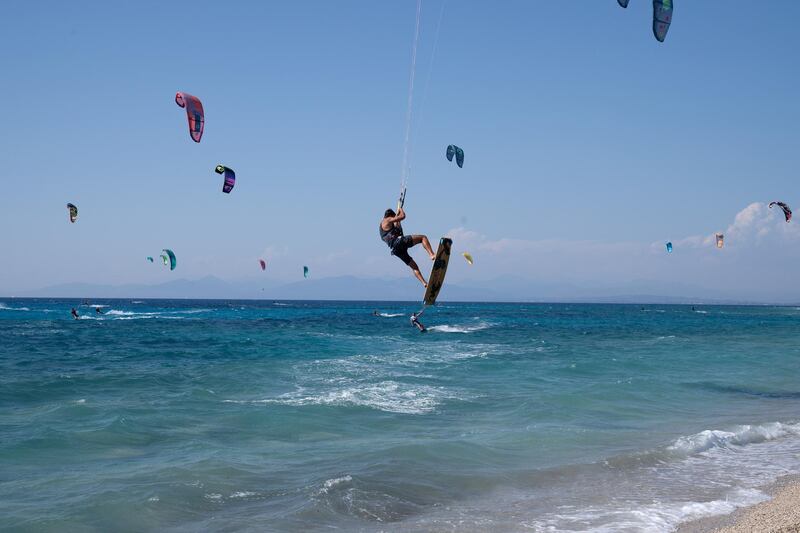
(780, 514)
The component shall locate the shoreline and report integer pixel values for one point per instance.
(779, 514)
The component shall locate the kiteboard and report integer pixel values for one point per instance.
(436, 279)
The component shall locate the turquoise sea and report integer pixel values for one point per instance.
(181, 415)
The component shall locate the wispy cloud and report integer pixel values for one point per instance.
(759, 245)
(755, 225)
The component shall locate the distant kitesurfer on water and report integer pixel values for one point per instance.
(98, 311)
(74, 313)
(376, 313)
(392, 234)
(416, 323)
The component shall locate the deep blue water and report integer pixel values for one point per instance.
(179, 415)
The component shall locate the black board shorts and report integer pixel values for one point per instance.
(400, 248)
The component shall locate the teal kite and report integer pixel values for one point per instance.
(73, 212)
(662, 18)
(453, 150)
(172, 261)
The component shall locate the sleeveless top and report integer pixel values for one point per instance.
(390, 236)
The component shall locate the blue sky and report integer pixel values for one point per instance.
(588, 144)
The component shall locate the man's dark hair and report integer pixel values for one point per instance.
(388, 213)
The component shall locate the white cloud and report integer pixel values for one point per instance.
(755, 225)
(756, 263)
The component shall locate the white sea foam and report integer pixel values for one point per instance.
(740, 436)
(390, 315)
(329, 484)
(389, 396)
(657, 517)
(136, 315)
(446, 328)
(4, 307)
(117, 312)
(713, 473)
(242, 494)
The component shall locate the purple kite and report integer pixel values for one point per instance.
(230, 178)
(787, 211)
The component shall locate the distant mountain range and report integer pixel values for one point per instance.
(506, 289)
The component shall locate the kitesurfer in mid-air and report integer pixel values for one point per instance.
(392, 234)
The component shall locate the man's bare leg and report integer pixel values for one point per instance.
(417, 273)
(417, 239)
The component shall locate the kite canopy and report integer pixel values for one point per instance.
(623, 3)
(453, 150)
(164, 259)
(305, 271)
(230, 178)
(172, 261)
(194, 113)
(787, 211)
(73, 212)
(669, 247)
(263, 264)
(662, 17)
(720, 238)
(467, 256)
(149, 258)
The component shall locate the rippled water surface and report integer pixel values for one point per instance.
(178, 415)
